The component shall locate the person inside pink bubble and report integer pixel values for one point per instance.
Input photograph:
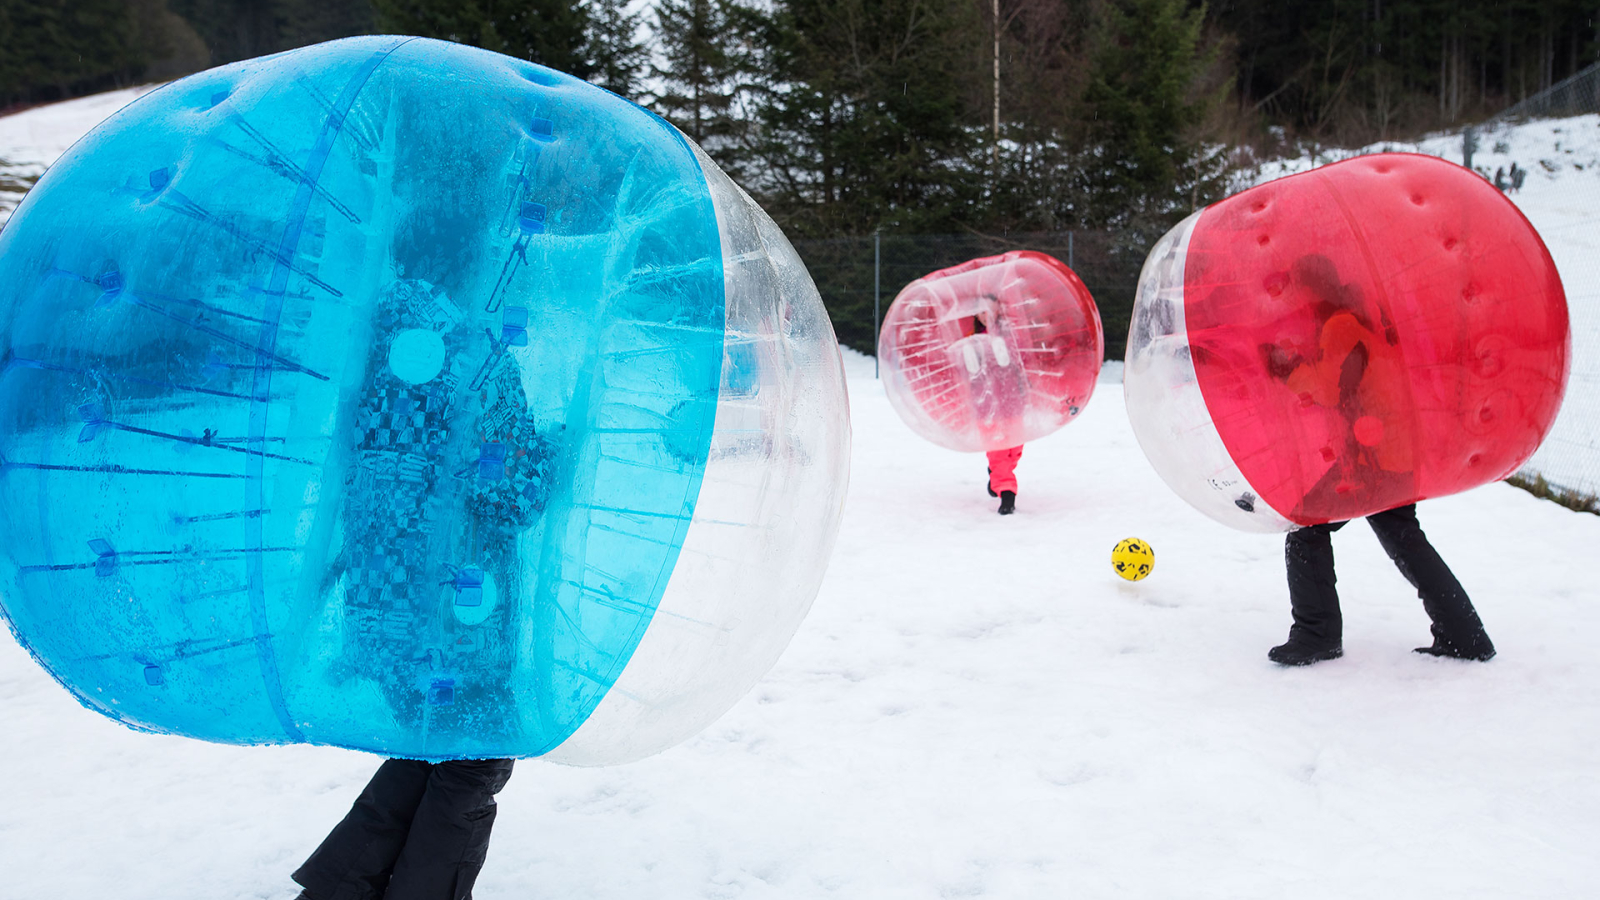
(1002, 463)
(1003, 478)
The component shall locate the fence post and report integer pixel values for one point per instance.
(876, 282)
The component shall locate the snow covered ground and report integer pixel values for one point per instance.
(976, 707)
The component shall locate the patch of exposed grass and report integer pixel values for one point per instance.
(1571, 499)
(17, 179)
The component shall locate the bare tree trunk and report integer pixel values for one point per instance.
(1505, 61)
(1548, 56)
(995, 161)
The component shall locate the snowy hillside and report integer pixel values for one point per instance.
(976, 707)
(33, 139)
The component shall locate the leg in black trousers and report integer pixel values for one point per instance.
(1318, 630)
(419, 831)
(449, 837)
(1457, 630)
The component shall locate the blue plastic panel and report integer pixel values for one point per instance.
(357, 395)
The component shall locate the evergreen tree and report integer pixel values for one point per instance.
(1353, 71)
(1044, 68)
(232, 29)
(51, 49)
(708, 54)
(616, 57)
(241, 29)
(549, 32)
(866, 126)
(1143, 165)
(302, 22)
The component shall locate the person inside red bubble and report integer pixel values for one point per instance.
(1002, 463)
(1003, 478)
(1352, 371)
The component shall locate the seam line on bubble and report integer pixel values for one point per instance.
(288, 248)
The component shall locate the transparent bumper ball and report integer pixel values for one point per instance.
(401, 396)
(992, 353)
(1348, 340)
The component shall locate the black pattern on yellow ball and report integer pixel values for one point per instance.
(1132, 559)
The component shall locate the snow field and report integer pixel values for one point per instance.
(976, 707)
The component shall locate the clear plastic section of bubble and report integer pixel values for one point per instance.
(1165, 405)
(769, 504)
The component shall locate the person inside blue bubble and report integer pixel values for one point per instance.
(430, 414)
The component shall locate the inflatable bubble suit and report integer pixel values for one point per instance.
(1344, 341)
(992, 353)
(401, 396)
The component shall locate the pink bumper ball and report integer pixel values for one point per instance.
(992, 353)
(1345, 341)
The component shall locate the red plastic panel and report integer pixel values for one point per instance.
(992, 353)
(1374, 332)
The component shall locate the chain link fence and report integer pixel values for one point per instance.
(860, 276)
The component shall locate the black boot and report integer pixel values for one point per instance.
(1318, 630)
(1008, 503)
(1457, 631)
(990, 484)
(1295, 653)
(1482, 651)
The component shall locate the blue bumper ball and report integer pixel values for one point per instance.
(401, 396)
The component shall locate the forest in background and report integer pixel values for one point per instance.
(984, 118)
(850, 116)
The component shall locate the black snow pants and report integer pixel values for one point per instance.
(420, 831)
(1318, 623)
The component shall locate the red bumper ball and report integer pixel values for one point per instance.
(1345, 341)
(992, 353)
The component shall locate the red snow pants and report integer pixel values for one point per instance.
(1003, 469)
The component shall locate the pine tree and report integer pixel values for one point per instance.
(1144, 164)
(616, 57)
(232, 29)
(1043, 71)
(866, 127)
(51, 49)
(549, 32)
(706, 45)
(302, 22)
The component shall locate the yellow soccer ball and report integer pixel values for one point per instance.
(1132, 558)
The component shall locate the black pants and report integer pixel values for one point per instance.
(420, 831)
(1317, 620)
